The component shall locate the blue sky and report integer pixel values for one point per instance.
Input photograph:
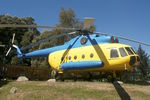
(129, 18)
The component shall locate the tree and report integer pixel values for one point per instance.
(67, 18)
(42, 61)
(144, 58)
(26, 36)
(23, 35)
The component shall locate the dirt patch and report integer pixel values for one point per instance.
(144, 89)
(16, 96)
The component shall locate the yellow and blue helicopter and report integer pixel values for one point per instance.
(97, 52)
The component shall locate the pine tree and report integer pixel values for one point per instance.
(144, 58)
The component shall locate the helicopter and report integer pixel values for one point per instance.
(96, 52)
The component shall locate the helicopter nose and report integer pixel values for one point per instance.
(132, 60)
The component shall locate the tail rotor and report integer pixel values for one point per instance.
(11, 45)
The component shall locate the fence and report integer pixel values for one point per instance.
(33, 73)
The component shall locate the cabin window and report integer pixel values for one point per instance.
(75, 57)
(122, 52)
(129, 51)
(91, 55)
(114, 53)
(83, 56)
(69, 57)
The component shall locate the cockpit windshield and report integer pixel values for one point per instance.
(130, 52)
(133, 50)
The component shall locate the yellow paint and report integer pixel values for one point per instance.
(101, 52)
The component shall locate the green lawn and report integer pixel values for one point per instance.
(40, 90)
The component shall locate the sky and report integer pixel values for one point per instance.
(128, 18)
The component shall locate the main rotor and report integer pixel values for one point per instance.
(88, 22)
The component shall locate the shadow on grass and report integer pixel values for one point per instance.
(142, 82)
(121, 92)
(3, 83)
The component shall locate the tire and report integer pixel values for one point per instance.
(110, 78)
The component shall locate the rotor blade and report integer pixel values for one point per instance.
(25, 26)
(2, 45)
(13, 38)
(45, 40)
(8, 51)
(72, 33)
(124, 38)
(32, 26)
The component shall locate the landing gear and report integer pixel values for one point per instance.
(111, 77)
(114, 76)
(54, 73)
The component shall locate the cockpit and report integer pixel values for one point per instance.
(123, 52)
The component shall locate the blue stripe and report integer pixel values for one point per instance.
(81, 65)
(73, 43)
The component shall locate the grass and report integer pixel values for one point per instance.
(40, 90)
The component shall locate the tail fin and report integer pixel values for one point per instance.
(19, 54)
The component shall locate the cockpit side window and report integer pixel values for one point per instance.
(133, 50)
(122, 52)
(129, 51)
(114, 53)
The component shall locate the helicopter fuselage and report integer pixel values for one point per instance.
(88, 53)
(105, 57)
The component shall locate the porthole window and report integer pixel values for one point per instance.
(75, 57)
(69, 57)
(91, 55)
(83, 56)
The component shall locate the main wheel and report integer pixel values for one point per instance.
(110, 78)
(54, 74)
